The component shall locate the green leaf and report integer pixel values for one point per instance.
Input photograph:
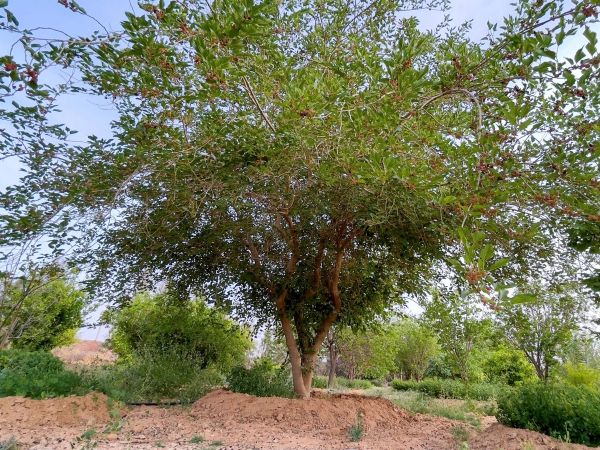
(3, 3)
(11, 17)
(522, 298)
(499, 263)
(457, 265)
(487, 252)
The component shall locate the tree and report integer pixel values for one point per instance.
(161, 323)
(460, 324)
(369, 353)
(543, 325)
(416, 347)
(304, 161)
(40, 310)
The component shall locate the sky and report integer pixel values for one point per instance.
(92, 116)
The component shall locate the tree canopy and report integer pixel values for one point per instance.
(306, 161)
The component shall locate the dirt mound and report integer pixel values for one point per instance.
(497, 436)
(85, 352)
(323, 411)
(231, 421)
(64, 412)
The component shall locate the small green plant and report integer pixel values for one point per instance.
(355, 431)
(527, 445)
(85, 440)
(159, 444)
(10, 444)
(459, 434)
(216, 443)
(196, 439)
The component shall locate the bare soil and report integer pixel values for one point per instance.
(239, 421)
(85, 352)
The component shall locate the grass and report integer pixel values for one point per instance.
(467, 411)
(10, 444)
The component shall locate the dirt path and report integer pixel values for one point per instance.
(233, 421)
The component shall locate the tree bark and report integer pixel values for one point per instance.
(332, 363)
(295, 357)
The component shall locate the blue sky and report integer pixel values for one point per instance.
(92, 116)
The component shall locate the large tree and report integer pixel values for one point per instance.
(305, 161)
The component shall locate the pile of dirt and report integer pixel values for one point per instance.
(232, 421)
(85, 352)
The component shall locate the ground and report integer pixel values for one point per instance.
(232, 421)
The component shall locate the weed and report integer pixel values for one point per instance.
(355, 431)
(459, 434)
(85, 438)
(527, 445)
(159, 444)
(216, 443)
(10, 444)
(196, 439)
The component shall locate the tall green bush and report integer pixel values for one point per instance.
(159, 323)
(556, 409)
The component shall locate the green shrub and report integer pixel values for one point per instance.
(354, 384)
(580, 375)
(159, 323)
(508, 366)
(557, 409)
(36, 375)
(165, 375)
(449, 388)
(263, 379)
(339, 382)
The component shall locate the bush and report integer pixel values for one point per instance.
(165, 375)
(580, 375)
(36, 375)
(155, 323)
(557, 409)
(449, 388)
(264, 379)
(508, 366)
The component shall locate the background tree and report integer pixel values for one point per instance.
(460, 324)
(368, 354)
(541, 326)
(417, 346)
(40, 309)
(305, 162)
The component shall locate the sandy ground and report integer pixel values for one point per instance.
(239, 421)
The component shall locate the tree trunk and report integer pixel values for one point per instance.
(332, 362)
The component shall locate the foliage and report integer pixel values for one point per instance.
(544, 324)
(460, 324)
(416, 348)
(40, 310)
(10, 444)
(36, 375)
(355, 431)
(165, 325)
(554, 409)
(263, 379)
(272, 346)
(438, 367)
(156, 375)
(449, 388)
(341, 383)
(580, 375)
(305, 161)
(506, 365)
(367, 354)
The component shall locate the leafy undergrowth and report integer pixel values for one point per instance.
(451, 389)
(468, 411)
(340, 383)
